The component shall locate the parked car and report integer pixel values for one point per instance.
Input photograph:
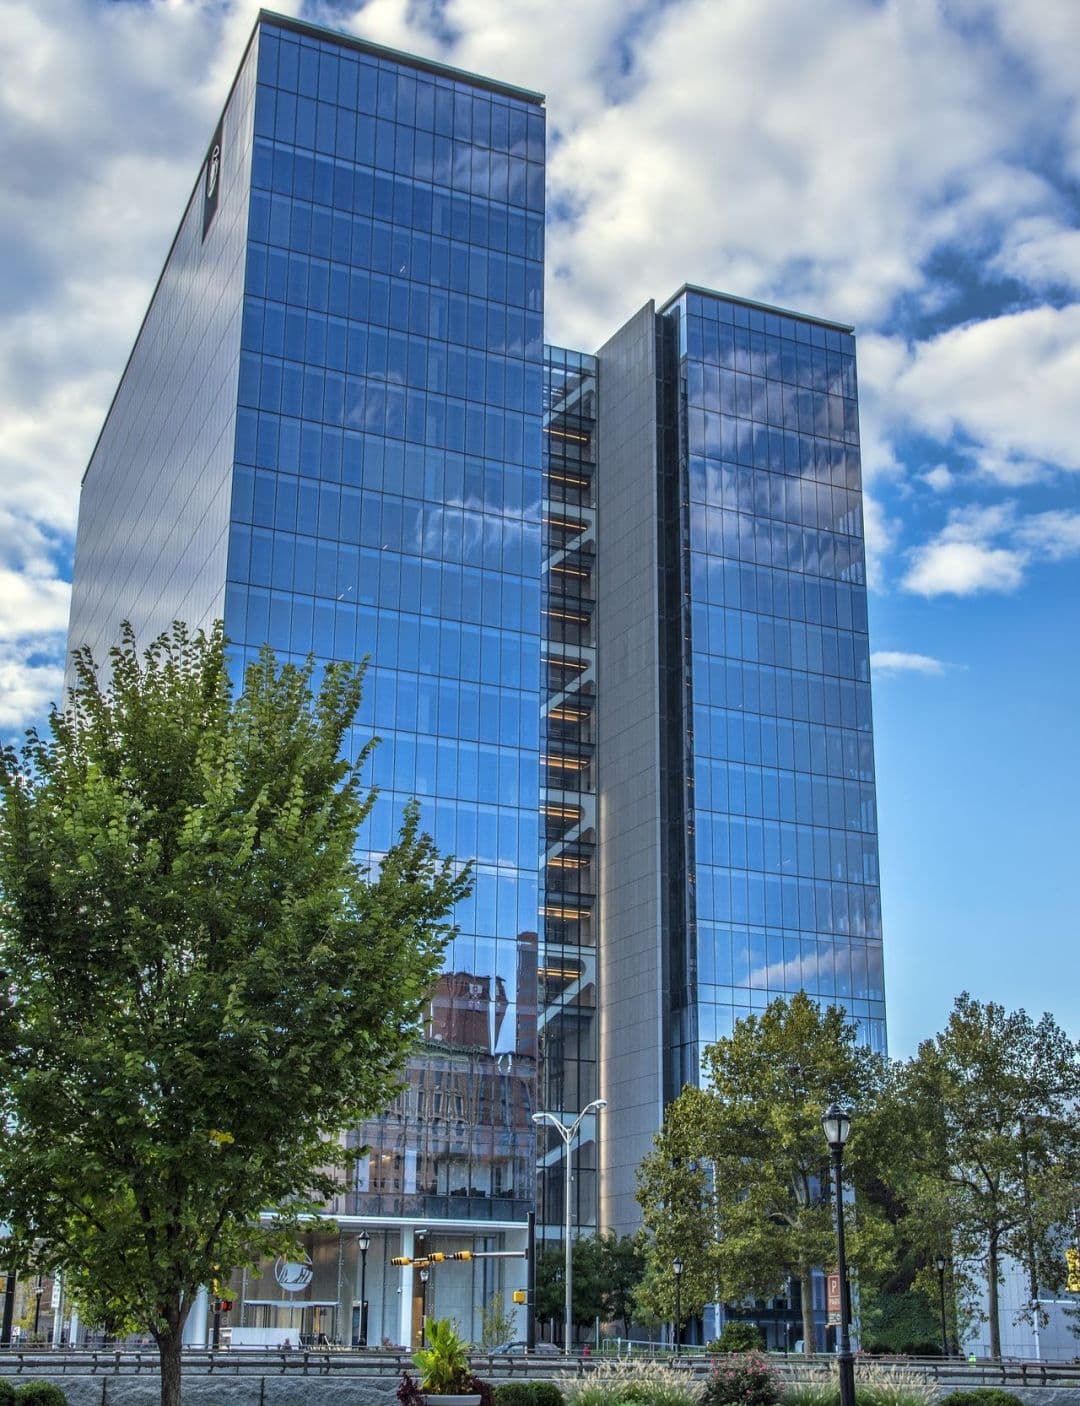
(519, 1348)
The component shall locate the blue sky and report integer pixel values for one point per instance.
(908, 166)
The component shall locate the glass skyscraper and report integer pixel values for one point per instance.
(738, 835)
(615, 608)
(329, 434)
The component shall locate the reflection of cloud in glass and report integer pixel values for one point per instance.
(831, 970)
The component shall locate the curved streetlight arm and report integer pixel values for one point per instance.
(568, 1132)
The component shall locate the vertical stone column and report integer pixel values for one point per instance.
(408, 1243)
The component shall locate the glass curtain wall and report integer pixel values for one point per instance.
(387, 505)
(567, 988)
(780, 816)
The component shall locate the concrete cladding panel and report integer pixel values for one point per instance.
(628, 729)
(154, 511)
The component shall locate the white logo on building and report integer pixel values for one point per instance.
(212, 168)
(293, 1275)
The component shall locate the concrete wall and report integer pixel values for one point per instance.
(354, 1389)
(628, 745)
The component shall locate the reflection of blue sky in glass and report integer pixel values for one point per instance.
(374, 296)
(784, 889)
(909, 169)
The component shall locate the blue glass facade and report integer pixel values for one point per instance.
(615, 609)
(387, 503)
(329, 434)
(780, 816)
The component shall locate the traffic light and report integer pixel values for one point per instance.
(401, 1260)
(520, 1296)
(436, 1257)
(226, 1305)
(461, 1255)
(1072, 1265)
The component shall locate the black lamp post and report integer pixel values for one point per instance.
(423, 1307)
(836, 1124)
(941, 1295)
(677, 1267)
(363, 1243)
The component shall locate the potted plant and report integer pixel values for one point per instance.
(445, 1374)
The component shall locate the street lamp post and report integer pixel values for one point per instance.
(940, 1262)
(423, 1306)
(836, 1124)
(363, 1242)
(677, 1266)
(568, 1133)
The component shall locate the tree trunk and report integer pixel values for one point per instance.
(806, 1293)
(992, 1271)
(169, 1344)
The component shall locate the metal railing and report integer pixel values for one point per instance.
(347, 1362)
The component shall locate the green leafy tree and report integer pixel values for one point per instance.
(991, 1156)
(204, 989)
(737, 1184)
(497, 1322)
(587, 1289)
(621, 1268)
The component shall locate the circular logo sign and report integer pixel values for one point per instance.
(293, 1275)
(212, 168)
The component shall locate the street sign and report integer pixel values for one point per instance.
(833, 1295)
(834, 1318)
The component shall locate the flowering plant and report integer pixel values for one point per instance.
(741, 1381)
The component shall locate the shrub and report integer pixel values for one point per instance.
(892, 1386)
(818, 1386)
(7, 1392)
(631, 1381)
(515, 1394)
(736, 1336)
(483, 1389)
(982, 1396)
(545, 1394)
(741, 1381)
(39, 1394)
(408, 1392)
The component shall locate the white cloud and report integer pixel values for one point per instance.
(1005, 384)
(881, 533)
(940, 478)
(29, 683)
(896, 661)
(1041, 252)
(963, 569)
(989, 548)
(1055, 534)
(825, 157)
(34, 602)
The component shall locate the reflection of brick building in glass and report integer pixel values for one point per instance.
(615, 606)
(467, 1011)
(456, 1130)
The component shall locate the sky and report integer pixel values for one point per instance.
(909, 167)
